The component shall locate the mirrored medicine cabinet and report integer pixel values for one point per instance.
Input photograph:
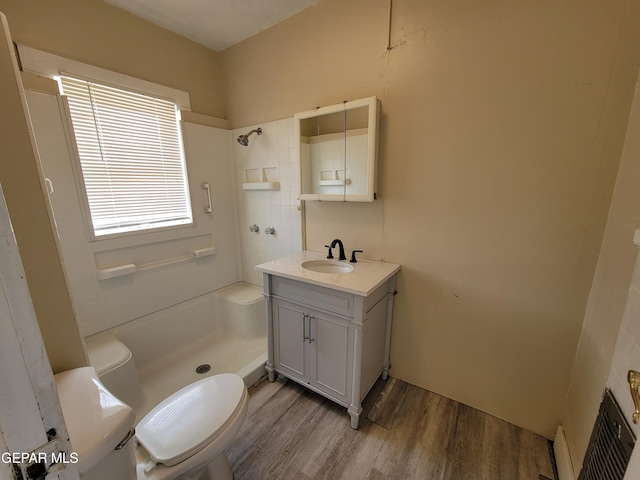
(337, 150)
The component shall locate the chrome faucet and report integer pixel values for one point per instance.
(339, 243)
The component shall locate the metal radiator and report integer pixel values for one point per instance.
(610, 445)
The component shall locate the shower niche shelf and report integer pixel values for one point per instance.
(261, 178)
(261, 186)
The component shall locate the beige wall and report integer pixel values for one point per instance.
(502, 127)
(97, 33)
(94, 32)
(31, 223)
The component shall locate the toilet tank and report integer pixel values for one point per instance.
(97, 423)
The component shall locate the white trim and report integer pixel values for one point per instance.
(636, 238)
(563, 457)
(50, 65)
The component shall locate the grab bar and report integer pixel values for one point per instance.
(129, 268)
(209, 207)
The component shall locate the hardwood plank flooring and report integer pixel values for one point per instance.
(405, 432)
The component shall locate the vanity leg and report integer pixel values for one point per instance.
(270, 372)
(355, 416)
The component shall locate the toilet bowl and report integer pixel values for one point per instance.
(182, 438)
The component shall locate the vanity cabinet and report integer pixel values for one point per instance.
(313, 347)
(333, 342)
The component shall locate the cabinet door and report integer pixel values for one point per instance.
(289, 342)
(330, 354)
(337, 150)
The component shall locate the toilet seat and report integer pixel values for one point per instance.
(190, 419)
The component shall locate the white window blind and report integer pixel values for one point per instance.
(130, 152)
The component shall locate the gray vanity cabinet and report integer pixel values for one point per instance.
(333, 342)
(313, 347)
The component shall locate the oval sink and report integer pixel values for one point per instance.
(327, 266)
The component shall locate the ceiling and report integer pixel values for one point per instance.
(217, 24)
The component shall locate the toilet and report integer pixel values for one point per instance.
(183, 438)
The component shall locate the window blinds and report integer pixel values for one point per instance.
(131, 157)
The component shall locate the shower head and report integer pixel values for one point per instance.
(244, 139)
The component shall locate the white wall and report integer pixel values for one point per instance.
(273, 151)
(102, 304)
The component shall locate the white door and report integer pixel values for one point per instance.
(34, 436)
(34, 441)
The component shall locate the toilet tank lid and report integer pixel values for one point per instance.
(96, 420)
(187, 421)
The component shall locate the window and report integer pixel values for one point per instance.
(131, 158)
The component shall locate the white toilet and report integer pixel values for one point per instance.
(182, 438)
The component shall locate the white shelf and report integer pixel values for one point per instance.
(327, 183)
(261, 186)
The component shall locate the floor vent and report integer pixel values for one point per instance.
(610, 445)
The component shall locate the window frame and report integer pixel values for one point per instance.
(80, 177)
(49, 65)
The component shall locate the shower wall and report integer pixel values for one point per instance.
(103, 304)
(210, 155)
(268, 157)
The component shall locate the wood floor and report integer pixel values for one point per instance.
(405, 433)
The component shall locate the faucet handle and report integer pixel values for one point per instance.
(353, 256)
(330, 254)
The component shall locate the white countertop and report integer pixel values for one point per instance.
(366, 276)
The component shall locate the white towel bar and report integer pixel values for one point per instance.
(130, 268)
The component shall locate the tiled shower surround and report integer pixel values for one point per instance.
(213, 156)
(274, 153)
